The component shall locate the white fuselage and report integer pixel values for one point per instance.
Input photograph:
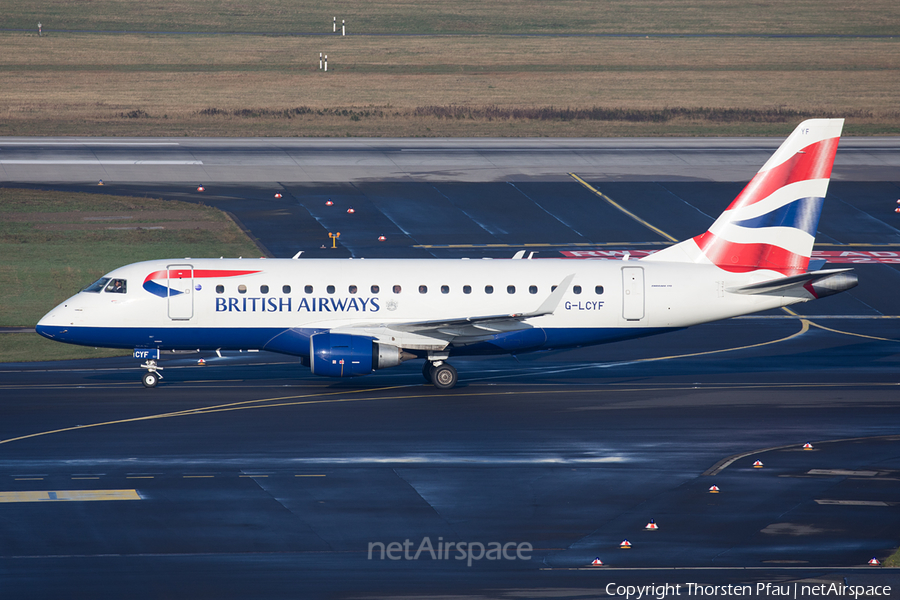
(276, 304)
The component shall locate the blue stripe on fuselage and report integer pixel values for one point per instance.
(296, 341)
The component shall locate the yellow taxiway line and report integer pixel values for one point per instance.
(69, 496)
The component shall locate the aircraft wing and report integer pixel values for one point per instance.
(476, 328)
(489, 322)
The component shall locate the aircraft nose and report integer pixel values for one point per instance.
(50, 325)
(44, 327)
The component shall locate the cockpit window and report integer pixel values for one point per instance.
(98, 285)
(116, 286)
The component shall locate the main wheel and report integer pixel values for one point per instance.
(427, 370)
(150, 379)
(444, 377)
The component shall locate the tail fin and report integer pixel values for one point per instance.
(771, 225)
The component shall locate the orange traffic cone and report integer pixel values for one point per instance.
(807, 446)
(329, 203)
(597, 562)
(714, 489)
(278, 195)
(625, 545)
(874, 562)
(758, 465)
(201, 362)
(350, 211)
(200, 188)
(100, 182)
(651, 526)
(381, 238)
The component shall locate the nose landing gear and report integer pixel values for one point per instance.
(151, 378)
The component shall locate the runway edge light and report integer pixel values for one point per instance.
(651, 526)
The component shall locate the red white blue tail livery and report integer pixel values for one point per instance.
(771, 225)
(345, 318)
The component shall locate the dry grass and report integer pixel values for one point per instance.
(463, 16)
(159, 85)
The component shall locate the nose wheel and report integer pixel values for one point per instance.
(441, 374)
(151, 378)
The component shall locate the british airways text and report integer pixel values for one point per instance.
(304, 304)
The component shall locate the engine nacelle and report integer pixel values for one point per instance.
(345, 355)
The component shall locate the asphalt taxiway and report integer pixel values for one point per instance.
(251, 477)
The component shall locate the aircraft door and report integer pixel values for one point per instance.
(180, 292)
(633, 293)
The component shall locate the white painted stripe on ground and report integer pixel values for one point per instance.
(100, 162)
(856, 502)
(89, 143)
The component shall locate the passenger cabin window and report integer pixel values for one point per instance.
(97, 286)
(286, 289)
(488, 289)
(577, 289)
(510, 289)
(396, 289)
(308, 289)
(598, 290)
(352, 289)
(423, 289)
(445, 289)
(330, 289)
(263, 289)
(242, 289)
(116, 286)
(375, 289)
(532, 289)
(220, 289)
(467, 289)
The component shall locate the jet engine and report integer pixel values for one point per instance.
(345, 355)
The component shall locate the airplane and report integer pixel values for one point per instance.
(350, 317)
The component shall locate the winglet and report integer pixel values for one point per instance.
(549, 305)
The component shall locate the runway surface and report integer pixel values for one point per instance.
(249, 477)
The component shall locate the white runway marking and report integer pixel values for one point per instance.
(89, 143)
(51, 161)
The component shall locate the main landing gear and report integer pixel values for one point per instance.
(440, 373)
(151, 378)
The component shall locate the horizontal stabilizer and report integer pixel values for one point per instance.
(817, 283)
